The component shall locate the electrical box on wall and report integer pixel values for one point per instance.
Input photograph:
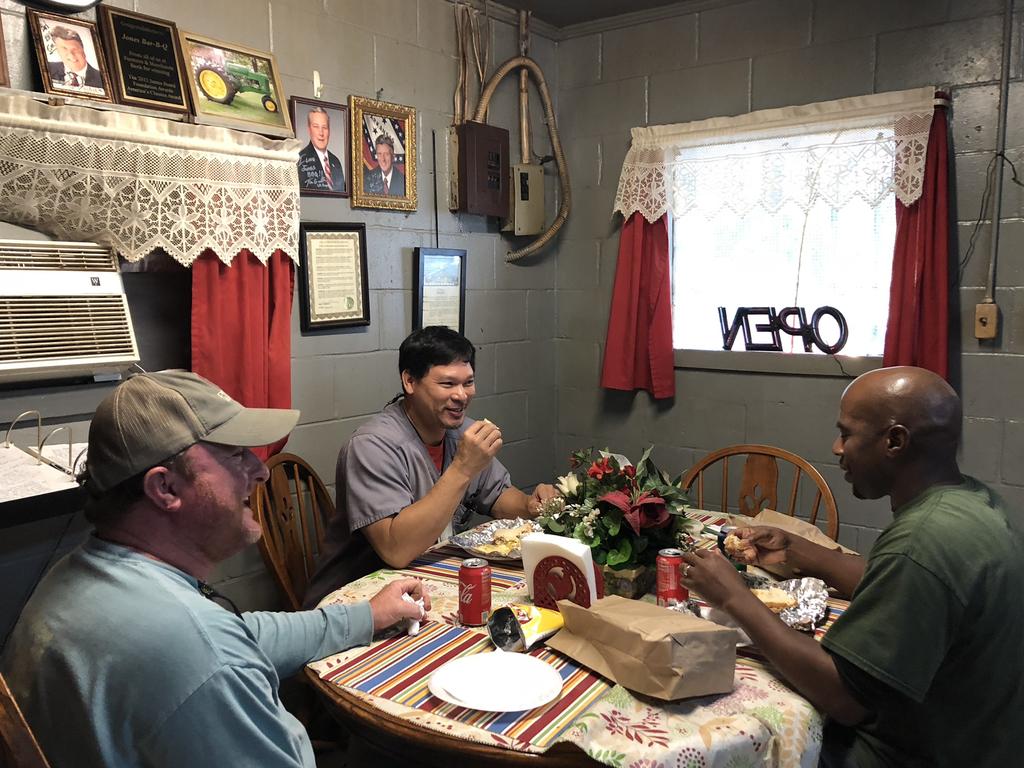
(526, 200)
(482, 169)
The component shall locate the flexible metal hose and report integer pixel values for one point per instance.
(565, 204)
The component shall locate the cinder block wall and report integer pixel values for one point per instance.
(402, 51)
(737, 57)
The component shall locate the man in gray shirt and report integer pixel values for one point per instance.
(414, 472)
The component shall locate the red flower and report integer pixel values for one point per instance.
(646, 511)
(629, 471)
(600, 468)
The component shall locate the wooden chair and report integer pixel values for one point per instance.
(293, 508)
(18, 747)
(759, 486)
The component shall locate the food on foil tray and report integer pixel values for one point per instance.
(775, 599)
(505, 540)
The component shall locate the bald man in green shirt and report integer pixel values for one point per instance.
(924, 668)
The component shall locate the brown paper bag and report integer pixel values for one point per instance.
(792, 525)
(648, 649)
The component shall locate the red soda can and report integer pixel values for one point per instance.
(474, 592)
(670, 584)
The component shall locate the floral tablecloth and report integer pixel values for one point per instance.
(762, 722)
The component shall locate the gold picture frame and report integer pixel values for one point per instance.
(63, 42)
(383, 128)
(234, 86)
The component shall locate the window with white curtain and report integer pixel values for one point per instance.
(797, 221)
(789, 207)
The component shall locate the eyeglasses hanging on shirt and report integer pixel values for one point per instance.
(212, 594)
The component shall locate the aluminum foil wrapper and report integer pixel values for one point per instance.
(811, 603)
(484, 534)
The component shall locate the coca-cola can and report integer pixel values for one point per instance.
(474, 592)
(670, 583)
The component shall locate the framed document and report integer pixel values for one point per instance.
(145, 60)
(440, 295)
(335, 291)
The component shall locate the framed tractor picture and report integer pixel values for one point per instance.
(234, 86)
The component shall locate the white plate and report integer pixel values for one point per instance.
(496, 682)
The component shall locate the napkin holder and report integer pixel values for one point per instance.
(559, 568)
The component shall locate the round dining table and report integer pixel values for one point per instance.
(380, 695)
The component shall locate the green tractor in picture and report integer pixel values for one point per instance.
(221, 83)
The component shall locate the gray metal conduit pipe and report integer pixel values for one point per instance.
(556, 146)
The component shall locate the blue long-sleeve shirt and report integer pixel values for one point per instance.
(118, 659)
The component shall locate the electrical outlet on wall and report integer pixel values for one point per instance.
(986, 320)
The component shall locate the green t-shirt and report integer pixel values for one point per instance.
(933, 640)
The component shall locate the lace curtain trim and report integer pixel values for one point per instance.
(656, 178)
(136, 184)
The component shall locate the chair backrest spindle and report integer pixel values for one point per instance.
(293, 508)
(759, 483)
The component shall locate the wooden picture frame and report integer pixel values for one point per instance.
(64, 44)
(310, 117)
(145, 60)
(234, 86)
(440, 295)
(5, 75)
(391, 130)
(334, 285)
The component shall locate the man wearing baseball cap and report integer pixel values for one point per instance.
(120, 658)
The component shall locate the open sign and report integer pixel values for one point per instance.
(791, 320)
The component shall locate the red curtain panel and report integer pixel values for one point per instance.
(638, 348)
(918, 329)
(241, 329)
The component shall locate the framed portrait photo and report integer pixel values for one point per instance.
(383, 155)
(71, 61)
(234, 86)
(324, 127)
(334, 287)
(145, 60)
(440, 295)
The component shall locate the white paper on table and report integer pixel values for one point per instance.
(22, 474)
(58, 454)
(536, 546)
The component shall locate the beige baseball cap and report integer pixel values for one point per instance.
(153, 416)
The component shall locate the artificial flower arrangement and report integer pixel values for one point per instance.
(625, 513)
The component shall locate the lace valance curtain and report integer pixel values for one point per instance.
(136, 183)
(881, 138)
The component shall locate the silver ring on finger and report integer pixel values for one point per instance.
(686, 571)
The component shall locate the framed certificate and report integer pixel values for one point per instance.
(440, 296)
(335, 291)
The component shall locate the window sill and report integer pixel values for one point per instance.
(776, 362)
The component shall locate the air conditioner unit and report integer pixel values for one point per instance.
(63, 312)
